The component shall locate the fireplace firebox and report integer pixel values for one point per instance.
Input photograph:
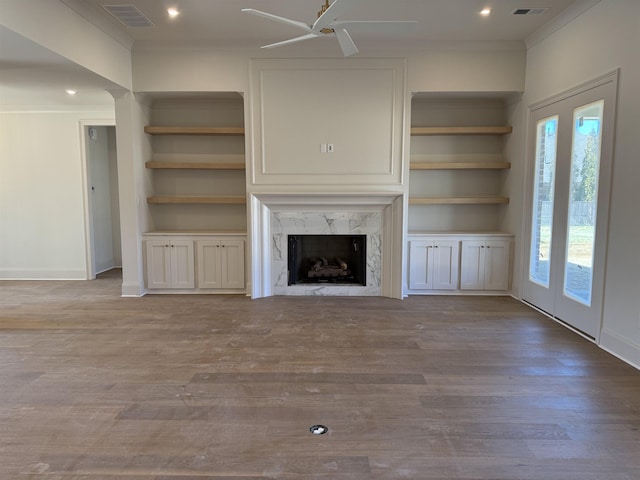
(339, 259)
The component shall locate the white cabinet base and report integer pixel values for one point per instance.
(195, 263)
(459, 264)
(433, 264)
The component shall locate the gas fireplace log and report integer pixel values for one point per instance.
(342, 263)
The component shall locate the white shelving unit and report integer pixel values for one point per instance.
(457, 171)
(197, 188)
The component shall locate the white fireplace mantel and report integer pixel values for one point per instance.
(378, 215)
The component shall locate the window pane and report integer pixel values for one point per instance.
(583, 201)
(546, 143)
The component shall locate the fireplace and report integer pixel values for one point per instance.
(377, 217)
(331, 259)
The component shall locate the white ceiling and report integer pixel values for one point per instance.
(31, 72)
(221, 24)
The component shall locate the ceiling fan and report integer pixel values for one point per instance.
(327, 24)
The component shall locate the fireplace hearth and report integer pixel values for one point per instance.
(328, 259)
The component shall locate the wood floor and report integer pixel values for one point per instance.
(98, 387)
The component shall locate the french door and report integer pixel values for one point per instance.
(570, 152)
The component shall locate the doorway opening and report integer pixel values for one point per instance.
(104, 251)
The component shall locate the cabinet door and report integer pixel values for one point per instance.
(158, 266)
(232, 260)
(496, 265)
(444, 265)
(182, 264)
(420, 258)
(209, 264)
(472, 265)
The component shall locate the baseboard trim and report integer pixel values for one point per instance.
(9, 274)
(622, 348)
(132, 290)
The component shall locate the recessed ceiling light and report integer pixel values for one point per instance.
(173, 12)
(485, 12)
(71, 92)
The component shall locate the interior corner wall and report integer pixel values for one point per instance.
(513, 183)
(602, 39)
(41, 195)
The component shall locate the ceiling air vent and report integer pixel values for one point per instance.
(128, 15)
(530, 11)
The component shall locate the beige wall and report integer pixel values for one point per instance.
(599, 41)
(42, 178)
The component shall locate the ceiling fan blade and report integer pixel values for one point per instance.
(378, 26)
(346, 42)
(276, 18)
(336, 9)
(291, 40)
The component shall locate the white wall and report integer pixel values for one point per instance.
(42, 222)
(498, 69)
(602, 39)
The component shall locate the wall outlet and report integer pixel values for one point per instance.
(330, 147)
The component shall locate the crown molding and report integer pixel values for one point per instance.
(555, 24)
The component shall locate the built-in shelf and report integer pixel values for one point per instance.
(152, 130)
(198, 199)
(195, 165)
(459, 165)
(461, 130)
(492, 200)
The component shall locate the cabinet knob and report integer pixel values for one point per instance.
(481, 246)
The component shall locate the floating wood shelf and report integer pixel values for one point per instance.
(459, 165)
(195, 165)
(194, 130)
(198, 199)
(458, 201)
(461, 130)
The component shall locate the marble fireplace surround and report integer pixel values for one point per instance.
(378, 216)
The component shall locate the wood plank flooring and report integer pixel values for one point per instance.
(169, 387)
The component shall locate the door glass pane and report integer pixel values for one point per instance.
(583, 201)
(542, 218)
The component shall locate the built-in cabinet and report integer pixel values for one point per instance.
(457, 174)
(221, 263)
(169, 263)
(485, 263)
(457, 262)
(197, 263)
(433, 263)
(196, 194)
